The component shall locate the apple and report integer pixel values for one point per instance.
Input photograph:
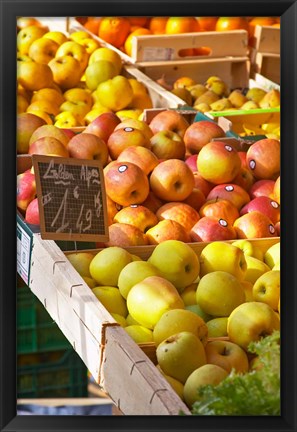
(26, 189)
(103, 53)
(43, 50)
(244, 178)
(218, 162)
(74, 50)
(78, 95)
(217, 327)
(265, 205)
(137, 215)
(27, 123)
(180, 354)
(34, 76)
(111, 299)
(103, 125)
(276, 190)
(234, 261)
(119, 319)
(227, 355)
(266, 288)
(133, 273)
(88, 146)
(32, 213)
(219, 292)
(201, 183)
(107, 264)
(242, 155)
(189, 294)
(152, 202)
(50, 131)
(98, 72)
(262, 188)
(177, 262)
(255, 268)
(177, 386)
(57, 36)
(115, 93)
(209, 229)
(27, 35)
(172, 180)
(141, 156)
(122, 139)
(136, 124)
(278, 228)
(196, 309)
(219, 209)
(81, 262)
(48, 146)
(191, 161)
(196, 199)
(169, 120)
(149, 299)
(272, 255)
(254, 225)
(126, 235)
(178, 320)
(167, 144)
(231, 192)
(200, 133)
(139, 333)
(167, 230)
(249, 248)
(125, 183)
(180, 212)
(66, 71)
(251, 321)
(70, 133)
(263, 159)
(208, 374)
(130, 320)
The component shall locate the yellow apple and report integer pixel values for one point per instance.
(78, 36)
(177, 386)
(176, 321)
(57, 36)
(180, 354)
(272, 255)
(204, 375)
(77, 94)
(255, 268)
(177, 262)
(78, 108)
(196, 309)
(81, 262)
(43, 50)
(27, 36)
(234, 261)
(249, 248)
(104, 53)
(49, 94)
(34, 76)
(149, 299)
(139, 333)
(227, 355)
(119, 319)
(111, 299)
(90, 44)
(133, 273)
(115, 93)
(94, 113)
(66, 71)
(66, 119)
(130, 320)
(107, 265)
(217, 327)
(266, 289)
(219, 293)
(98, 72)
(248, 290)
(89, 281)
(76, 51)
(189, 294)
(251, 321)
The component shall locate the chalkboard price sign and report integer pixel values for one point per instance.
(71, 198)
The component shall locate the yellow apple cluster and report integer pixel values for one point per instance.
(69, 80)
(200, 310)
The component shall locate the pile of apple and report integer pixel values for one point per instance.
(168, 180)
(69, 80)
(201, 310)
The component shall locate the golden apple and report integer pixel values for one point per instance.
(104, 53)
(249, 248)
(133, 273)
(111, 299)
(266, 289)
(76, 51)
(137, 215)
(27, 36)
(272, 255)
(255, 268)
(57, 36)
(43, 50)
(50, 131)
(81, 262)
(227, 355)
(125, 235)
(50, 94)
(66, 71)
(34, 76)
(139, 333)
(98, 72)
(115, 93)
(217, 327)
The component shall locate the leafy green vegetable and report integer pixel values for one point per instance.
(256, 392)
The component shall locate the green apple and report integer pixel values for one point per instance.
(139, 333)
(272, 255)
(149, 299)
(255, 268)
(251, 321)
(176, 321)
(108, 263)
(218, 293)
(133, 273)
(217, 327)
(204, 375)
(111, 299)
(177, 262)
(119, 319)
(177, 386)
(227, 355)
(249, 248)
(199, 311)
(223, 256)
(130, 320)
(81, 262)
(266, 289)
(180, 355)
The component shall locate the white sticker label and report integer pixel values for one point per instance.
(157, 54)
(23, 253)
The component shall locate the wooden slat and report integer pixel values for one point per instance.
(266, 39)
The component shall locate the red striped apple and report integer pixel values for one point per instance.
(200, 133)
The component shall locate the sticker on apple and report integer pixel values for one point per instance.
(229, 188)
(271, 229)
(128, 129)
(274, 204)
(122, 168)
(223, 222)
(252, 164)
(228, 148)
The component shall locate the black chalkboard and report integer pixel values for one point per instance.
(71, 198)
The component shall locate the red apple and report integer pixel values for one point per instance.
(244, 178)
(212, 229)
(126, 183)
(32, 213)
(180, 212)
(103, 125)
(262, 188)
(218, 162)
(167, 229)
(196, 199)
(242, 155)
(125, 235)
(265, 205)
(169, 120)
(172, 180)
(48, 146)
(152, 202)
(50, 131)
(192, 162)
(232, 192)
(200, 133)
(26, 189)
(70, 133)
(276, 190)
(167, 144)
(202, 184)
(254, 225)
(27, 123)
(121, 139)
(137, 215)
(220, 209)
(278, 228)
(141, 156)
(263, 159)
(88, 146)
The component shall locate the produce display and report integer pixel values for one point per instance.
(201, 312)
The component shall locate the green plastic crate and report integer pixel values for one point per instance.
(52, 375)
(36, 330)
